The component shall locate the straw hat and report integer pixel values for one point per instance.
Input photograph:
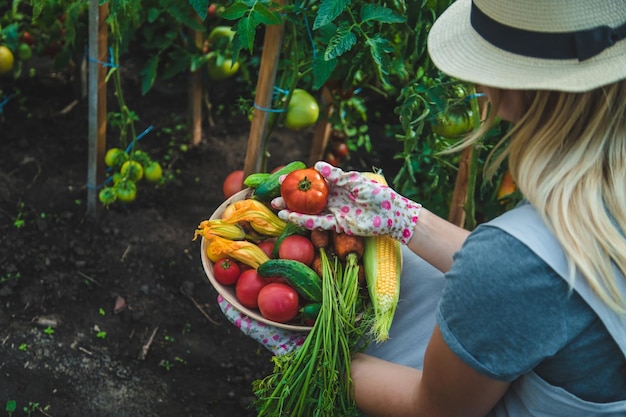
(566, 45)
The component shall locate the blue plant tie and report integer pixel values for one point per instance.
(4, 102)
(139, 137)
(110, 63)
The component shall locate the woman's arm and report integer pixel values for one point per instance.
(447, 387)
(435, 240)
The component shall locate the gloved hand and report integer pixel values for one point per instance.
(357, 205)
(276, 340)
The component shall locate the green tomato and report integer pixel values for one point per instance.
(220, 68)
(24, 52)
(115, 157)
(142, 157)
(132, 170)
(126, 191)
(302, 111)
(107, 196)
(117, 177)
(221, 32)
(153, 172)
(457, 121)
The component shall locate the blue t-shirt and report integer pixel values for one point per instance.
(505, 312)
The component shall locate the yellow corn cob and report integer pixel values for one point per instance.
(383, 266)
(261, 218)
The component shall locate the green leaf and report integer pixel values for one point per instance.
(322, 70)
(149, 73)
(235, 46)
(201, 7)
(262, 14)
(197, 61)
(343, 41)
(328, 11)
(246, 31)
(153, 14)
(379, 49)
(178, 61)
(235, 12)
(380, 14)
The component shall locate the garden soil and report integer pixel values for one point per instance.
(112, 314)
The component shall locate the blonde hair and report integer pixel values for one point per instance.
(567, 155)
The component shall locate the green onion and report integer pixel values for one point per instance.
(314, 380)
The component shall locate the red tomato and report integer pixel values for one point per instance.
(305, 191)
(233, 183)
(247, 288)
(331, 159)
(340, 149)
(268, 247)
(278, 302)
(226, 271)
(298, 248)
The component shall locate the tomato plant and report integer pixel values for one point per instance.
(298, 248)
(278, 302)
(233, 183)
(226, 271)
(248, 287)
(305, 191)
(302, 111)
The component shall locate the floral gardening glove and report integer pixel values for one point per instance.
(276, 340)
(357, 205)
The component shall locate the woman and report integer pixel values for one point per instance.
(532, 315)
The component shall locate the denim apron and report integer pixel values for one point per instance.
(530, 395)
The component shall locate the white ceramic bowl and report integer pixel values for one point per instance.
(228, 291)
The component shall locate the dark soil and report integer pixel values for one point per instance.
(168, 351)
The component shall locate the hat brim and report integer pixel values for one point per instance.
(457, 50)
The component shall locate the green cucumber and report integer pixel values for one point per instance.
(300, 276)
(310, 311)
(270, 188)
(254, 180)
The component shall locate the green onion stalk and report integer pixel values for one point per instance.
(314, 380)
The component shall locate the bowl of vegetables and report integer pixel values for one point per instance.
(233, 268)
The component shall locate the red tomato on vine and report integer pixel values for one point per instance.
(305, 191)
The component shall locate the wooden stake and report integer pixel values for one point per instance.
(322, 128)
(195, 92)
(265, 86)
(98, 42)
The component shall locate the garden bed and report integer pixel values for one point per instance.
(113, 316)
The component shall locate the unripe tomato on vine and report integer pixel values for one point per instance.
(126, 191)
(455, 122)
(302, 110)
